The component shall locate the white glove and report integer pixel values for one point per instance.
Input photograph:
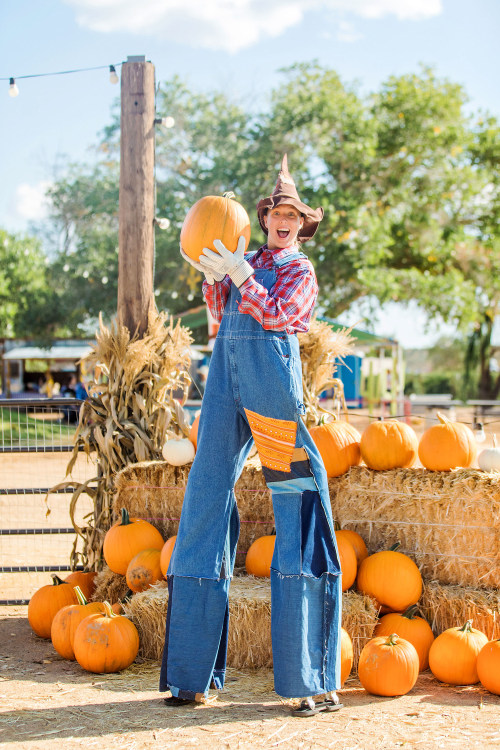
(210, 275)
(226, 262)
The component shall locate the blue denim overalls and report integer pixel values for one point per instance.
(254, 390)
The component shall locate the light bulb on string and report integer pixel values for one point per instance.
(479, 433)
(167, 122)
(113, 76)
(13, 90)
(162, 223)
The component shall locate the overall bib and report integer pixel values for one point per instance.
(254, 392)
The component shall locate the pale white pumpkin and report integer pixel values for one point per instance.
(178, 451)
(489, 458)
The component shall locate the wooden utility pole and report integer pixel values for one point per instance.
(137, 194)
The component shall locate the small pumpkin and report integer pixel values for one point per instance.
(166, 554)
(388, 665)
(143, 570)
(389, 444)
(348, 561)
(489, 458)
(447, 445)
(46, 603)
(178, 451)
(259, 556)
(338, 444)
(66, 621)
(391, 578)
(86, 581)
(488, 666)
(410, 627)
(214, 218)
(126, 538)
(105, 642)
(193, 431)
(357, 542)
(453, 655)
(346, 655)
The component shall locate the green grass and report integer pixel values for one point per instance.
(19, 428)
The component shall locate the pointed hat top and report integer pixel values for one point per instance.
(286, 192)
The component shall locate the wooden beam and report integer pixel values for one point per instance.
(137, 195)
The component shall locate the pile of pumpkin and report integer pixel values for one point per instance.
(403, 644)
(390, 444)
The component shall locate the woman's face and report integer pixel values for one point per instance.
(283, 224)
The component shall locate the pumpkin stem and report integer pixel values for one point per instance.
(392, 639)
(411, 611)
(108, 612)
(56, 581)
(229, 194)
(395, 546)
(336, 526)
(467, 628)
(442, 418)
(125, 518)
(80, 596)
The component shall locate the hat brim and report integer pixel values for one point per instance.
(312, 217)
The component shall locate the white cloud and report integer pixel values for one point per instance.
(347, 32)
(30, 200)
(231, 25)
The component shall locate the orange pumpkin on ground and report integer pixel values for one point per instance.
(193, 432)
(105, 642)
(166, 554)
(143, 570)
(388, 665)
(348, 561)
(448, 445)
(488, 666)
(410, 627)
(357, 542)
(66, 621)
(453, 655)
(86, 581)
(259, 556)
(391, 578)
(214, 218)
(346, 655)
(389, 444)
(46, 603)
(126, 538)
(338, 444)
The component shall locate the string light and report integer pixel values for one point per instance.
(113, 77)
(167, 122)
(13, 90)
(162, 223)
(479, 432)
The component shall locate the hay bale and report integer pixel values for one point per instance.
(451, 606)
(109, 586)
(448, 522)
(249, 642)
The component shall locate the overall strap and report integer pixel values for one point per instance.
(288, 258)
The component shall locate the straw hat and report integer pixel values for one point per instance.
(286, 192)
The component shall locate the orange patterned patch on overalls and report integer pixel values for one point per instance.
(274, 438)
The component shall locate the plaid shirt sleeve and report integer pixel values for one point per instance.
(289, 304)
(216, 295)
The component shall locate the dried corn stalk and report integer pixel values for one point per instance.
(125, 419)
(321, 350)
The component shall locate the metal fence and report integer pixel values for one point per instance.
(36, 534)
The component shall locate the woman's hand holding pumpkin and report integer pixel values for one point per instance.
(226, 262)
(210, 275)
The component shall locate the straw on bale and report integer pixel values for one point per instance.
(447, 522)
(249, 643)
(109, 586)
(451, 606)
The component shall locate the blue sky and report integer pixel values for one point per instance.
(237, 46)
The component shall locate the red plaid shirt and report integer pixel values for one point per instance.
(287, 307)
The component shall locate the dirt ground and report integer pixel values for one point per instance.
(48, 702)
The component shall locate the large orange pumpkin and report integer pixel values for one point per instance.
(66, 621)
(346, 655)
(357, 542)
(86, 581)
(453, 655)
(143, 570)
(126, 538)
(388, 665)
(447, 445)
(488, 666)
(166, 554)
(338, 444)
(410, 627)
(391, 578)
(389, 444)
(193, 432)
(348, 561)
(214, 218)
(105, 642)
(259, 556)
(46, 603)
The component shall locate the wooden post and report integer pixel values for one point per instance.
(137, 195)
